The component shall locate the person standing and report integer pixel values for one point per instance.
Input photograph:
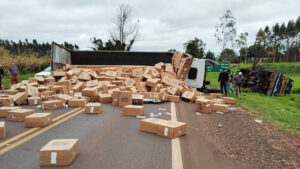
(14, 73)
(1, 75)
(223, 78)
(229, 82)
(238, 79)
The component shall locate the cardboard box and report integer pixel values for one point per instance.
(93, 108)
(172, 98)
(58, 73)
(78, 87)
(118, 82)
(133, 110)
(77, 102)
(216, 96)
(137, 73)
(11, 92)
(89, 92)
(125, 98)
(46, 94)
(137, 99)
(152, 82)
(220, 107)
(63, 97)
(60, 89)
(6, 101)
(59, 152)
(188, 96)
(2, 130)
(129, 82)
(19, 98)
(38, 119)
(18, 114)
(105, 98)
(33, 101)
(141, 86)
(229, 100)
(52, 104)
(84, 76)
(165, 128)
(203, 105)
(115, 98)
(4, 111)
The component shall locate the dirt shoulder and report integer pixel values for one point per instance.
(241, 142)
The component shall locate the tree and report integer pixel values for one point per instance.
(229, 54)
(259, 48)
(210, 55)
(242, 43)
(125, 32)
(226, 31)
(172, 50)
(195, 48)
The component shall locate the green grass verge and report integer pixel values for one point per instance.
(6, 79)
(283, 112)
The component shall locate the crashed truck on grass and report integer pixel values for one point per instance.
(195, 77)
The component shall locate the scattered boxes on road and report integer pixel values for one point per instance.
(2, 130)
(77, 102)
(165, 128)
(133, 110)
(19, 114)
(105, 98)
(6, 101)
(33, 101)
(125, 98)
(203, 106)
(38, 119)
(4, 110)
(52, 104)
(59, 152)
(93, 108)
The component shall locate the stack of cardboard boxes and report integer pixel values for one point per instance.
(213, 102)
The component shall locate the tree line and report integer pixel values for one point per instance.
(27, 47)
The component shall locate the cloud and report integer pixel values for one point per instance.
(163, 24)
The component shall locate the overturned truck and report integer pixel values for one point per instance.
(269, 83)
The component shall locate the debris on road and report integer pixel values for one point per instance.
(198, 113)
(140, 117)
(219, 112)
(258, 121)
(220, 125)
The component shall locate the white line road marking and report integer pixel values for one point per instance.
(176, 148)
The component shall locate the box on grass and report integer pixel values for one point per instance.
(59, 152)
(38, 119)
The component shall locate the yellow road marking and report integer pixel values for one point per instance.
(34, 129)
(25, 139)
(176, 148)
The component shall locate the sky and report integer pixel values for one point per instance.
(163, 24)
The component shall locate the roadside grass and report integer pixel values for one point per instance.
(283, 112)
(6, 79)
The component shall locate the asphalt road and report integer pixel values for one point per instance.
(112, 141)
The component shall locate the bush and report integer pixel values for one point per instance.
(25, 62)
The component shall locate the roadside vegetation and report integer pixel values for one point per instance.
(283, 112)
